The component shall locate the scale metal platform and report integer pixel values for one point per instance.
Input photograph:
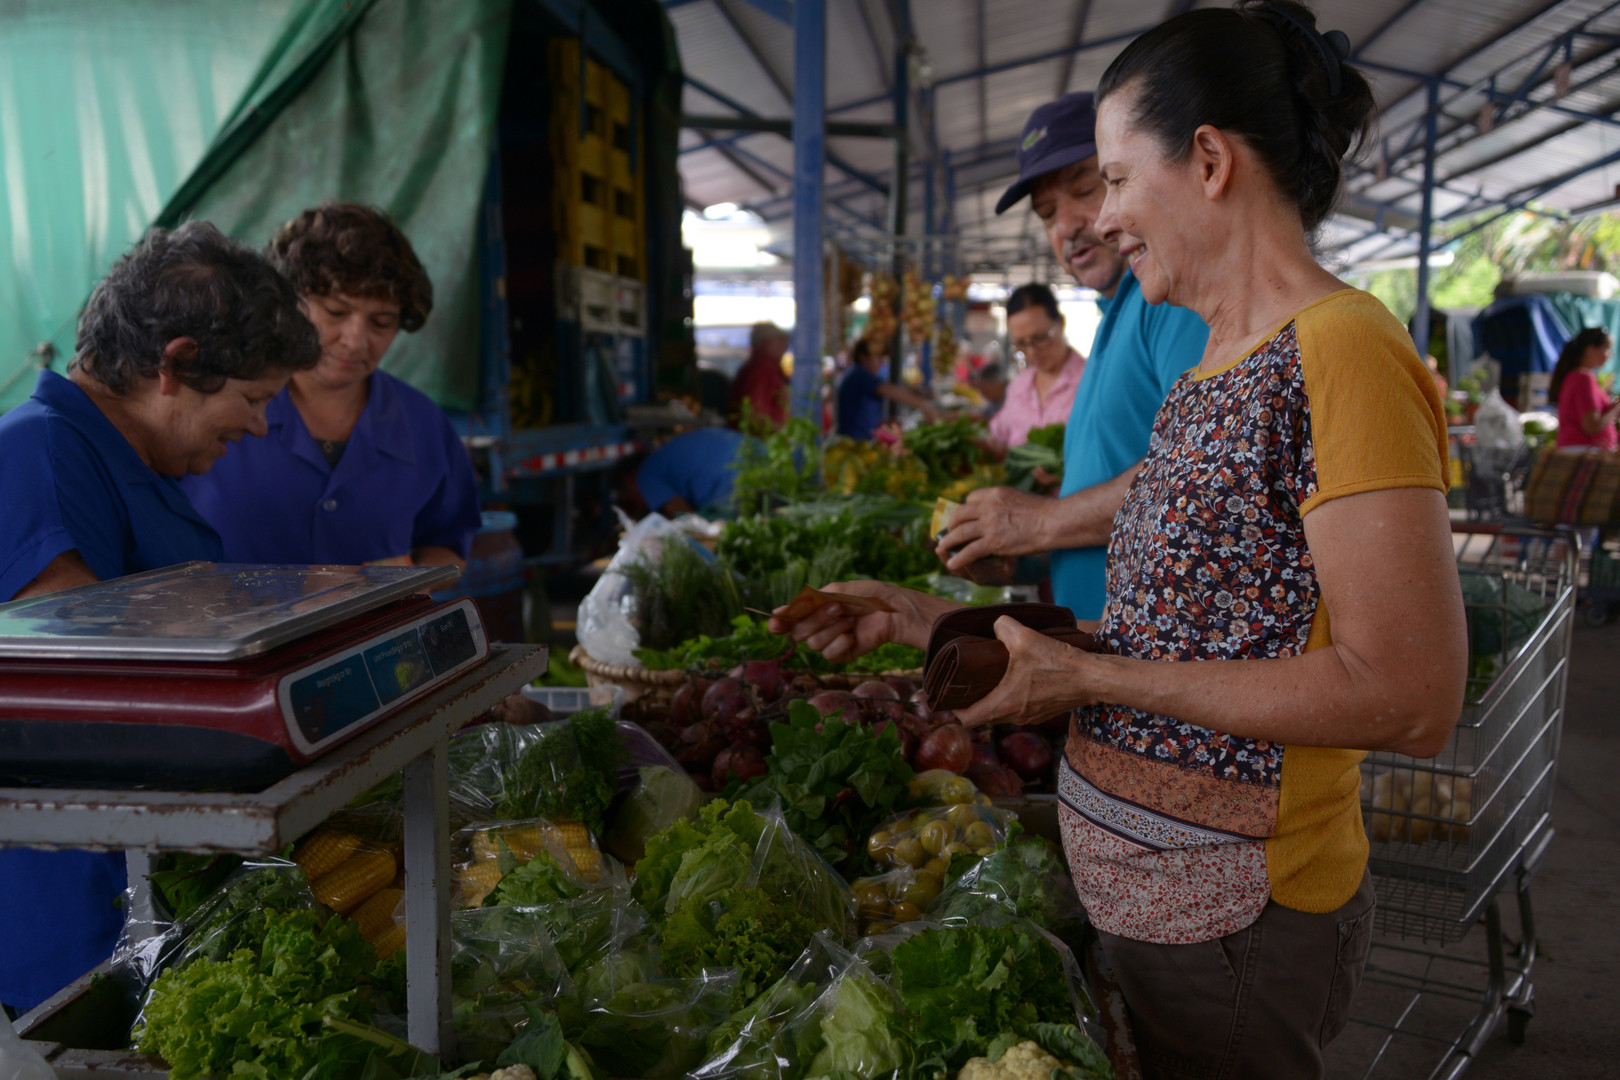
(214, 676)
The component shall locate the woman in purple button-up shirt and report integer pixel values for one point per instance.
(357, 467)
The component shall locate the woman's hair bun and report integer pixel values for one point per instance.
(1294, 98)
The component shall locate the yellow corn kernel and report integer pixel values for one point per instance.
(390, 943)
(528, 841)
(376, 915)
(485, 845)
(354, 880)
(476, 882)
(324, 850)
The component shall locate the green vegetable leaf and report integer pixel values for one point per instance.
(1068, 1042)
(541, 1046)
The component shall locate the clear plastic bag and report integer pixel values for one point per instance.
(938, 995)
(501, 958)
(829, 1013)
(563, 770)
(926, 839)
(484, 854)
(662, 795)
(734, 845)
(1025, 877)
(889, 899)
(606, 621)
(655, 1028)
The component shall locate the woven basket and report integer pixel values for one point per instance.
(638, 683)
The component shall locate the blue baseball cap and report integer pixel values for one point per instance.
(1056, 135)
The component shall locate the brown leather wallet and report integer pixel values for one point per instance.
(965, 661)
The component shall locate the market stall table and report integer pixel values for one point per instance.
(356, 623)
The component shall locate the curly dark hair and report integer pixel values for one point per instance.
(193, 282)
(353, 250)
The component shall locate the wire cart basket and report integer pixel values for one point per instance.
(1450, 835)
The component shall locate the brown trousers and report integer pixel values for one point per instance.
(1258, 1004)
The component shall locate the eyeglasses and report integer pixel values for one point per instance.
(1027, 345)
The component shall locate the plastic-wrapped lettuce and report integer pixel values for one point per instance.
(661, 797)
(828, 1016)
(732, 846)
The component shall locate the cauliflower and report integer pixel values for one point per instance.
(1022, 1061)
(510, 1072)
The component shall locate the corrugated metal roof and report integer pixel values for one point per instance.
(993, 61)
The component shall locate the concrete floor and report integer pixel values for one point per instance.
(1575, 1033)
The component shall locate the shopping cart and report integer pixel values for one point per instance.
(1450, 835)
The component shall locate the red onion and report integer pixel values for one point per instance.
(1027, 754)
(949, 747)
(996, 781)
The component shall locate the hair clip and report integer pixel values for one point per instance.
(1332, 48)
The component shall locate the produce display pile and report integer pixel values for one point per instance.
(703, 613)
(612, 923)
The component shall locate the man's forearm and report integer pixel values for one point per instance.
(1086, 518)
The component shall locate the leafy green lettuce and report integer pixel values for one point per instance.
(862, 1032)
(964, 986)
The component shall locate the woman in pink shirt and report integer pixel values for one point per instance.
(1044, 391)
(1586, 416)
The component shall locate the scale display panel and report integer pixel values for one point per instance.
(323, 700)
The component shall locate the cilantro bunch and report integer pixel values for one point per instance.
(569, 772)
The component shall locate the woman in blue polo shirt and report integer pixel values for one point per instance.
(357, 467)
(180, 349)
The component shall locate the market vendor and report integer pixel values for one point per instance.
(690, 474)
(1140, 350)
(1211, 820)
(1043, 393)
(863, 390)
(358, 466)
(1586, 416)
(180, 349)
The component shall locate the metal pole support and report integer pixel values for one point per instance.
(1420, 318)
(427, 902)
(809, 163)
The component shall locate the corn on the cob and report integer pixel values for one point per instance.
(324, 850)
(390, 943)
(476, 882)
(576, 838)
(354, 880)
(376, 915)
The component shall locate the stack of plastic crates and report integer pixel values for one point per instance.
(1450, 833)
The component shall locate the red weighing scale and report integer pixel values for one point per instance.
(218, 677)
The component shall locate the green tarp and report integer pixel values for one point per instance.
(114, 116)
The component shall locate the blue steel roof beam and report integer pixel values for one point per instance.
(1530, 106)
(1005, 65)
(751, 47)
(832, 159)
(878, 59)
(1383, 28)
(781, 10)
(981, 22)
(1517, 201)
(777, 170)
(1529, 20)
(1077, 35)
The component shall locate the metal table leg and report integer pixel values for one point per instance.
(427, 902)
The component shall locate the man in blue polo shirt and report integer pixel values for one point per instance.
(690, 474)
(1139, 352)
